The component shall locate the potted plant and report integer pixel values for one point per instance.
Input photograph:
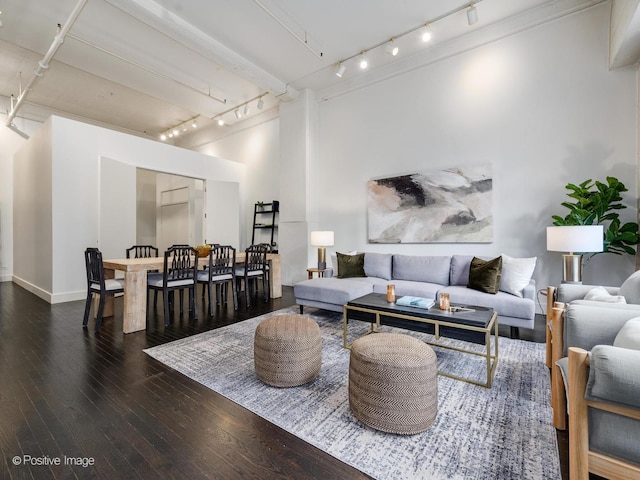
(597, 203)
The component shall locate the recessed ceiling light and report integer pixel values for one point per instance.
(221, 121)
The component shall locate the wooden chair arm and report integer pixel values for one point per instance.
(578, 416)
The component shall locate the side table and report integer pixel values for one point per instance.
(319, 271)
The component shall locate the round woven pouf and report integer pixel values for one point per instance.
(392, 383)
(287, 350)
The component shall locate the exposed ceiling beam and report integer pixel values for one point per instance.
(624, 39)
(158, 17)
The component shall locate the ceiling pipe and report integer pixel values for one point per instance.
(44, 63)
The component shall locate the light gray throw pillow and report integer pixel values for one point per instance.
(600, 294)
(630, 289)
(629, 335)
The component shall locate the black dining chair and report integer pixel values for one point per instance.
(255, 266)
(220, 272)
(145, 251)
(180, 272)
(98, 285)
(142, 251)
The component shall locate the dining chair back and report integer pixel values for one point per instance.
(255, 266)
(220, 271)
(98, 285)
(142, 251)
(146, 251)
(180, 272)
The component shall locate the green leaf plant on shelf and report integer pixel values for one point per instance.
(596, 203)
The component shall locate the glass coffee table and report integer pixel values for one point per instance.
(467, 323)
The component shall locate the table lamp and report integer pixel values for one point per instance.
(322, 239)
(577, 238)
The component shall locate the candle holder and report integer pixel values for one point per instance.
(391, 293)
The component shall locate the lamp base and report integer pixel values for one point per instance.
(572, 268)
(322, 258)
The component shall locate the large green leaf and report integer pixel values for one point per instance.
(597, 203)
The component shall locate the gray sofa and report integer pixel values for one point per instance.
(420, 276)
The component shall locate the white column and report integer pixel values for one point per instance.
(298, 185)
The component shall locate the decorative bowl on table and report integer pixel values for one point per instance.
(203, 250)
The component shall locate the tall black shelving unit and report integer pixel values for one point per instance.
(265, 217)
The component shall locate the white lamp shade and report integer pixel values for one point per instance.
(578, 238)
(322, 238)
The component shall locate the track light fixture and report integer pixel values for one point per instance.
(181, 127)
(426, 35)
(239, 109)
(391, 46)
(363, 62)
(392, 49)
(472, 14)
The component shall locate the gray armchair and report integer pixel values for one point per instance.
(604, 412)
(575, 322)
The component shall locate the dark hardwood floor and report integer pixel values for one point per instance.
(68, 394)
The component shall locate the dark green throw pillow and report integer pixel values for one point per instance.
(350, 265)
(484, 275)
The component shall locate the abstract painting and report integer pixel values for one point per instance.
(454, 205)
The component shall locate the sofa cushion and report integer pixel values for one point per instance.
(484, 275)
(505, 304)
(350, 265)
(378, 265)
(630, 288)
(337, 291)
(516, 274)
(629, 335)
(430, 269)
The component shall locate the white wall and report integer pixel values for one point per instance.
(75, 152)
(540, 106)
(10, 142)
(257, 149)
(32, 207)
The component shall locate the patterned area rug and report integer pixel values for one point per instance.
(505, 432)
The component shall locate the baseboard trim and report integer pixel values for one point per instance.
(49, 297)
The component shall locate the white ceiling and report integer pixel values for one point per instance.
(146, 65)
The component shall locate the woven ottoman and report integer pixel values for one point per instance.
(287, 350)
(393, 384)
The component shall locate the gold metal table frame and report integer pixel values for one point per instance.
(491, 358)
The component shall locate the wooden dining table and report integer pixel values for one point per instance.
(135, 285)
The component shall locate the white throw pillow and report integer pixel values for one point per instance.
(600, 294)
(630, 289)
(516, 274)
(629, 335)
